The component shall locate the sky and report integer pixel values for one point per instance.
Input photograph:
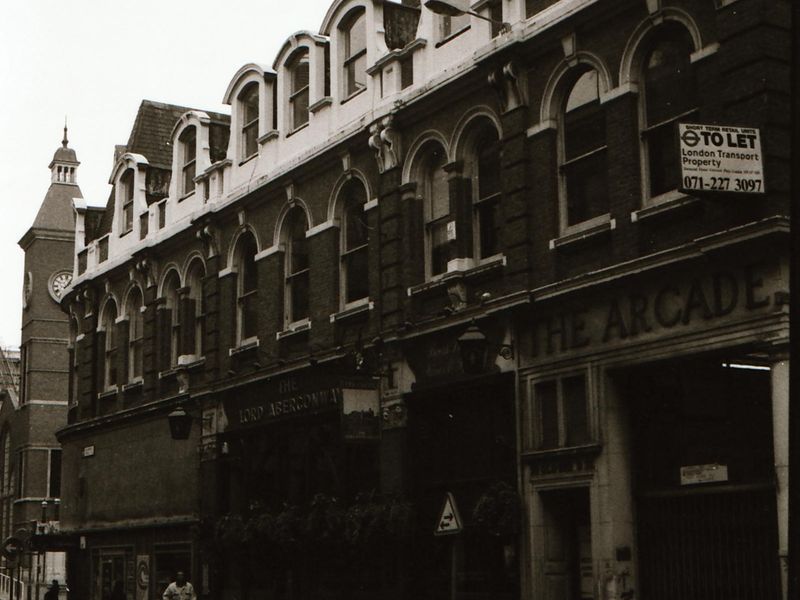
(94, 61)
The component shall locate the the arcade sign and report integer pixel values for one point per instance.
(698, 301)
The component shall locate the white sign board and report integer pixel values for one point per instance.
(449, 520)
(703, 474)
(717, 158)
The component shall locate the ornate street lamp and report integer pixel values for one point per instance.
(456, 8)
(473, 346)
(180, 424)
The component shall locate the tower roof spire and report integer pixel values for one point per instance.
(64, 157)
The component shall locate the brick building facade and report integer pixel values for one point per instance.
(435, 262)
(35, 407)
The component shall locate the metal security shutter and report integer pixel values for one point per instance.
(718, 545)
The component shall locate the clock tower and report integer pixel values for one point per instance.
(44, 359)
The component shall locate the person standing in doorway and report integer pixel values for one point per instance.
(52, 592)
(180, 589)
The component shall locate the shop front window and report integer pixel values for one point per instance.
(561, 413)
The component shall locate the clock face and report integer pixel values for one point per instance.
(58, 283)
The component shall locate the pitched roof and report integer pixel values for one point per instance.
(56, 209)
(151, 136)
(152, 129)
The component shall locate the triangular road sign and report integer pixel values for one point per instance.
(449, 521)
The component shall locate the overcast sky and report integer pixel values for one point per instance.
(94, 61)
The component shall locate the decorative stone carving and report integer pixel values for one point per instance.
(457, 295)
(386, 143)
(145, 267)
(207, 235)
(509, 84)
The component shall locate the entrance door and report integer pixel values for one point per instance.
(112, 573)
(567, 545)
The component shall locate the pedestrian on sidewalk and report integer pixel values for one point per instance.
(180, 589)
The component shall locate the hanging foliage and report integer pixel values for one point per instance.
(498, 511)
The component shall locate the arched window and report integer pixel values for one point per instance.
(247, 288)
(583, 164)
(196, 306)
(248, 106)
(170, 320)
(436, 196)
(299, 89)
(126, 181)
(188, 154)
(484, 174)
(354, 36)
(296, 267)
(354, 243)
(135, 334)
(74, 361)
(669, 94)
(110, 377)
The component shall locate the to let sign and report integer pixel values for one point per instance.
(717, 158)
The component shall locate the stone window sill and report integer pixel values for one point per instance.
(248, 344)
(320, 104)
(665, 204)
(591, 448)
(109, 393)
(580, 237)
(484, 268)
(167, 373)
(272, 134)
(358, 308)
(191, 361)
(294, 329)
(133, 386)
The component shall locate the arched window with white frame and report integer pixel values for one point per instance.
(74, 361)
(435, 192)
(196, 306)
(669, 94)
(354, 63)
(170, 319)
(188, 159)
(354, 244)
(135, 333)
(246, 288)
(248, 114)
(296, 267)
(299, 89)
(482, 169)
(126, 181)
(583, 167)
(110, 374)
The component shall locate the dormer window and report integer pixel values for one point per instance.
(126, 182)
(188, 146)
(355, 54)
(299, 90)
(453, 25)
(248, 100)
